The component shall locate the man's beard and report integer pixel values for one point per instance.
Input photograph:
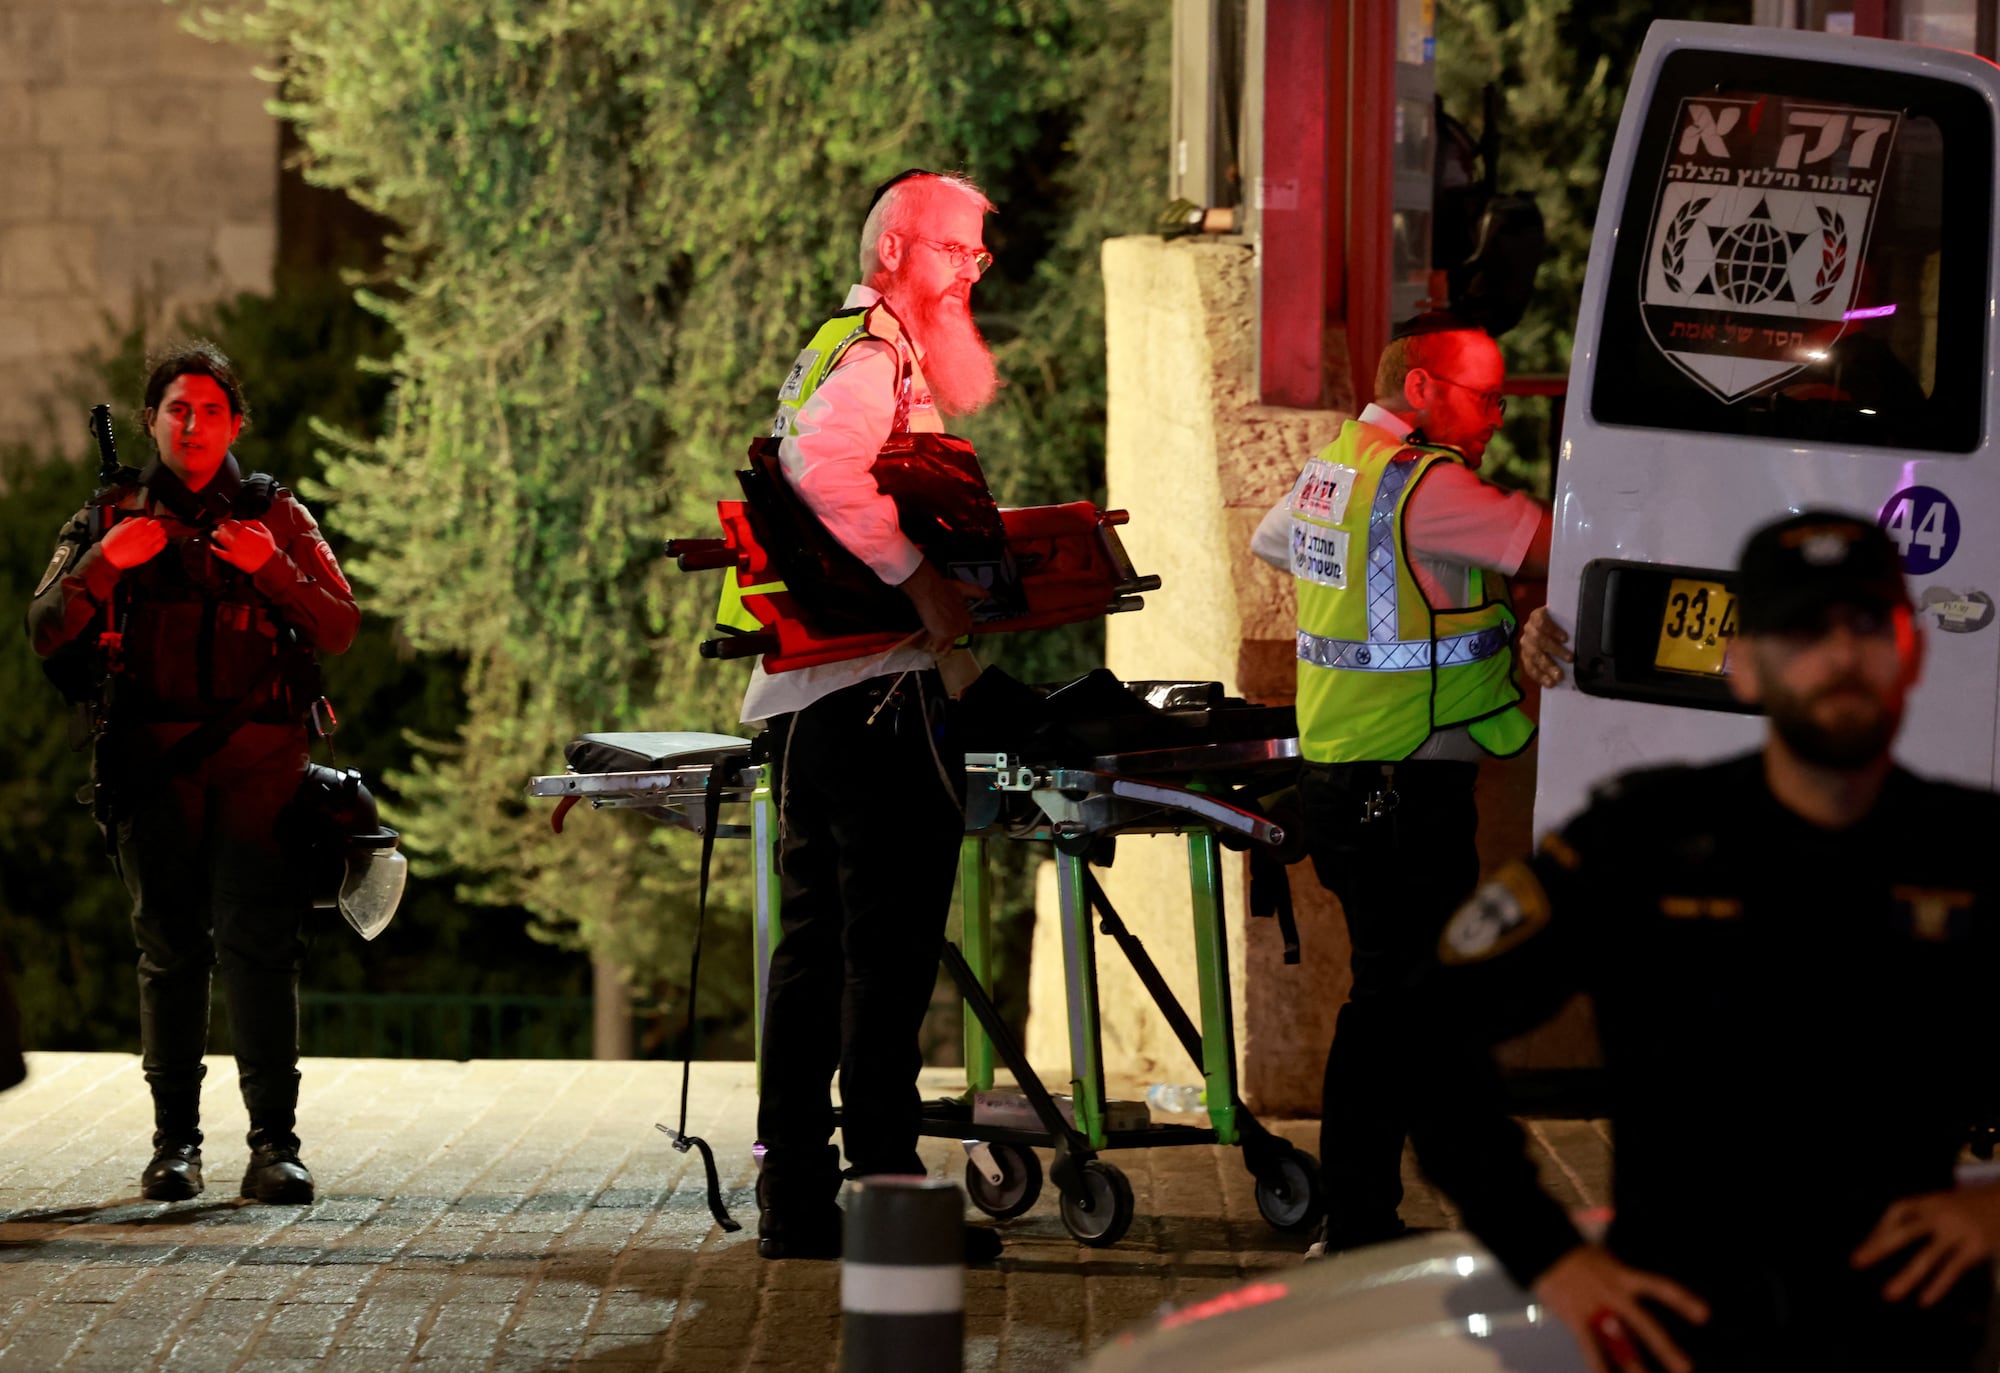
(1847, 746)
(957, 363)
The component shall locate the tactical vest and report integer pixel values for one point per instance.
(1380, 668)
(812, 367)
(195, 634)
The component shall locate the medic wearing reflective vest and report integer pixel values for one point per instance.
(1381, 669)
(1406, 680)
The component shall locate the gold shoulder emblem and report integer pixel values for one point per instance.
(1504, 913)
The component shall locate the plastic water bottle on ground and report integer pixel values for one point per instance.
(1174, 1098)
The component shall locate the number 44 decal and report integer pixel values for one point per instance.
(1924, 524)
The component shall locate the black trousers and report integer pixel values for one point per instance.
(211, 885)
(872, 786)
(1399, 877)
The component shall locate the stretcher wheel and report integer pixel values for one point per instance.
(1020, 1182)
(1288, 1194)
(1104, 1213)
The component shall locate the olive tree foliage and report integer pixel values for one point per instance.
(619, 221)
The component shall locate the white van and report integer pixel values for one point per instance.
(1789, 303)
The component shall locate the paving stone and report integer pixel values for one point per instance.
(526, 1216)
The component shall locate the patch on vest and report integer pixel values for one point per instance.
(1319, 554)
(1502, 914)
(55, 568)
(1322, 491)
(795, 380)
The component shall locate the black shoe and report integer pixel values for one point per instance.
(275, 1175)
(779, 1236)
(174, 1174)
(982, 1244)
(797, 1217)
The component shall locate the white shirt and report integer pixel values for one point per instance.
(1452, 522)
(826, 454)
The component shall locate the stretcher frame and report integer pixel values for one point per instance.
(1074, 809)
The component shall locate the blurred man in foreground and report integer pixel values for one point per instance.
(1791, 975)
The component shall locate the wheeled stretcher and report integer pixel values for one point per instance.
(1162, 758)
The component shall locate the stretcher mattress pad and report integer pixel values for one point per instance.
(649, 752)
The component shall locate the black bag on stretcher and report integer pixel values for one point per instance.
(795, 595)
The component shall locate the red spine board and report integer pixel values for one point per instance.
(1071, 564)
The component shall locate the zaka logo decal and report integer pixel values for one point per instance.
(1759, 236)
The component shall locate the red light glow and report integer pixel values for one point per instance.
(1242, 1299)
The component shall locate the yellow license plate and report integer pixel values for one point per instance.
(1698, 628)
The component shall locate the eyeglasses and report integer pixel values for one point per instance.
(960, 254)
(1493, 400)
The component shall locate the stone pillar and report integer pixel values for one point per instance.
(141, 166)
(1198, 461)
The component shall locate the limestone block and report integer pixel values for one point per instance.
(122, 41)
(158, 258)
(31, 40)
(164, 112)
(245, 254)
(64, 328)
(1291, 1010)
(20, 340)
(73, 116)
(49, 260)
(112, 185)
(31, 186)
(237, 116)
(17, 122)
(228, 183)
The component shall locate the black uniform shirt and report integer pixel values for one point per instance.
(1794, 1020)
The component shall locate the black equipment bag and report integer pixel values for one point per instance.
(945, 509)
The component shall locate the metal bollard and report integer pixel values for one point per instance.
(902, 1276)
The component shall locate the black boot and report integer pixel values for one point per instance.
(175, 1172)
(275, 1175)
(797, 1217)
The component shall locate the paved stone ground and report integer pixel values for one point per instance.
(526, 1215)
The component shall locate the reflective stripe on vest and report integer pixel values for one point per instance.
(1407, 655)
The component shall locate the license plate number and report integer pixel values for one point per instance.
(1697, 629)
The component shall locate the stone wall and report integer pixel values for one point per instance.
(141, 167)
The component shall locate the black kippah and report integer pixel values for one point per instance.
(1432, 322)
(896, 180)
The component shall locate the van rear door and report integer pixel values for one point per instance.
(1788, 304)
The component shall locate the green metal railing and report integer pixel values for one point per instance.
(420, 1025)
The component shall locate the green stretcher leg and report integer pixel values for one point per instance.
(1086, 1044)
(765, 928)
(1211, 959)
(976, 943)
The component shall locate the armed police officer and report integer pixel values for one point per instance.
(870, 780)
(198, 596)
(1792, 966)
(1406, 681)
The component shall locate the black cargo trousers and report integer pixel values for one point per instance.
(212, 885)
(1400, 869)
(871, 785)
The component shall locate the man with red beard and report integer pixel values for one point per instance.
(870, 778)
(1791, 955)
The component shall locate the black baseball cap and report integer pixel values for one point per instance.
(1792, 572)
